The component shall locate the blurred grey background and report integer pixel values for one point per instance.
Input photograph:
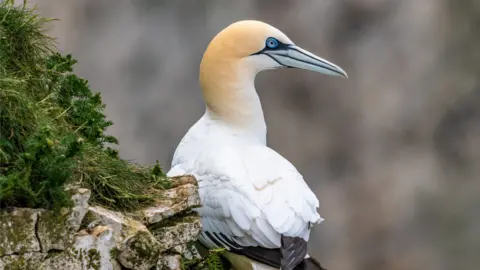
(393, 153)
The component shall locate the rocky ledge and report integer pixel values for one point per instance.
(92, 237)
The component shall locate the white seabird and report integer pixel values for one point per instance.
(254, 202)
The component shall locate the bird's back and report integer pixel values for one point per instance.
(250, 194)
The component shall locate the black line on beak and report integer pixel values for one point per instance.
(327, 66)
(286, 47)
(276, 60)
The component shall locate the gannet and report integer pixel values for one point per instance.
(255, 204)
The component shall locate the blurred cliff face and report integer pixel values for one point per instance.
(393, 153)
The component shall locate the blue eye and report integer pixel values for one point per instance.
(272, 43)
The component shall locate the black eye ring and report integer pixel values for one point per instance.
(272, 43)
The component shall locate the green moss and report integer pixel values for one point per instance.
(182, 217)
(211, 261)
(144, 246)
(80, 254)
(74, 252)
(17, 264)
(22, 262)
(52, 127)
(15, 231)
(87, 219)
(53, 227)
(89, 257)
(113, 253)
(93, 259)
(140, 250)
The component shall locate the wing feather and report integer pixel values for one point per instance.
(251, 196)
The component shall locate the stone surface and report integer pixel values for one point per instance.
(52, 231)
(56, 230)
(79, 209)
(179, 249)
(123, 226)
(63, 260)
(191, 253)
(139, 252)
(26, 261)
(89, 252)
(169, 262)
(183, 180)
(183, 231)
(17, 231)
(137, 248)
(178, 199)
(93, 238)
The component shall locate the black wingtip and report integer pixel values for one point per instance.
(293, 250)
(278, 257)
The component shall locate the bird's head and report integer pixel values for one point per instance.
(260, 46)
(238, 53)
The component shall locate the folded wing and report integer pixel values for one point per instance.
(250, 199)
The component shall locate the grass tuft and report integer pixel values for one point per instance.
(211, 261)
(52, 126)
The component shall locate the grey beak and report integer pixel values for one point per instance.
(296, 57)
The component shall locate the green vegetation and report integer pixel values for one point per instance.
(52, 127)
(211, 261)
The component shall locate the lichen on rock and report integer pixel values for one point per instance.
(55, 229)
(139, 252)
(17, 231)
(89, 252)
(52, 231)
(29, 260)
(80, 207)
(169, 262)
(183, 196)
(47, 239)
(124, 226)
(181, 231)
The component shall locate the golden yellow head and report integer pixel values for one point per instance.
(242, 39)
(240, 51)
(264, 45)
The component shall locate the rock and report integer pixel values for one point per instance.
(17, 229)
(139, 252)
(188, 251)
(183, 180)
(185, 230)
(179, 249)
(79, 209)
(137, 248)
(46, 240)
(123, 226)
(191, 253)
(55, 230)
(52, 231)
(25, 261)
(169, 262)
(99, 230)
(63, 260)
(182, 197)
(88, 252)
(82, 232)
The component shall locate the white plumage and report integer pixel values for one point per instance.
(254, 201)
(249, 192)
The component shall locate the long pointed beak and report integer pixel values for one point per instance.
(296, 57)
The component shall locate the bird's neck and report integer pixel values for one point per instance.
(231, 98)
